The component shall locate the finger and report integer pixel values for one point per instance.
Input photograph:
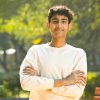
(82, 79)
(82, 83)
(30, 69)
(29, 74)
(34, 72)
(79, 71)
(82, 76)
(26, 71)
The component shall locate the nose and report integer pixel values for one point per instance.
(59, 24)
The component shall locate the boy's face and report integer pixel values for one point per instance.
(59, 26)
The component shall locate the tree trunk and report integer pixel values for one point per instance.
(5, 60)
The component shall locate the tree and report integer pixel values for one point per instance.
(4, 46)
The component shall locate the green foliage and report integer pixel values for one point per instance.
(5, 44)
(4, 91)
(8, 8)
(24, 22)
(93, 81)
(26, 25)
(10, 84)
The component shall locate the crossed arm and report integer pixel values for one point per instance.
(74, 78)
(72, 86)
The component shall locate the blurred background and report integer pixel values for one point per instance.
(23, 24)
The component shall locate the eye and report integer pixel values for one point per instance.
(54, 21)
(64, 22)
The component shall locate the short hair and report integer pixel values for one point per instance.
(60, 10)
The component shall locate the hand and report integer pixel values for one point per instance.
(29, 71)
(76, 77)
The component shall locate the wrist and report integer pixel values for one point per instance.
(67, 81)
(58, 83)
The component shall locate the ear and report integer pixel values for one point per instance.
(70, 26)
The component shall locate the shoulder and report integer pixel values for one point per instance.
(34, 48)
(77, 50)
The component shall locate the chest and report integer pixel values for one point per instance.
(55, 64)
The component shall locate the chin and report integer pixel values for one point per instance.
(58, 36)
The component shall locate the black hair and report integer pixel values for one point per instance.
(60, 10)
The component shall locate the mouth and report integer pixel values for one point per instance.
(59, 31)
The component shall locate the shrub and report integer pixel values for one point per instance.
(9, 83)
(4, 91)
(93, 80)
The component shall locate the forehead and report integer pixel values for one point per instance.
(59, 17)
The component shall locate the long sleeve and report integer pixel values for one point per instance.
(31, 83)
(75, 91)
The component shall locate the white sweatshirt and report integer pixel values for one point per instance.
(53, 63)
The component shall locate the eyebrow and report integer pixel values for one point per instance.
(57, 19)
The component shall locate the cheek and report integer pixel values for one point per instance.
(52, 28)
(66, 28)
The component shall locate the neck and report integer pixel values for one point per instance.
(56, 43)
